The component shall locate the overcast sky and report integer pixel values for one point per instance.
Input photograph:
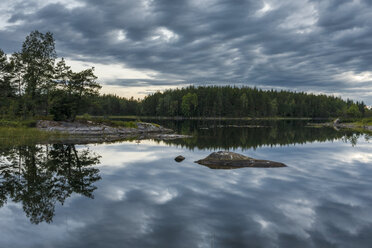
(138, 46)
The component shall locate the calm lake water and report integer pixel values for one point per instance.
(133, 193)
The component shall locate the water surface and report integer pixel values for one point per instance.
(133, 194)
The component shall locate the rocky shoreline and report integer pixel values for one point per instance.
(352, 126)
(93, 132)
(336, 124)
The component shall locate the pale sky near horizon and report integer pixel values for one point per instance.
(140, 46)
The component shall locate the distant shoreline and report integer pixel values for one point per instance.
(356, 126)
(206, 118)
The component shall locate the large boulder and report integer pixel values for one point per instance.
(232, 160)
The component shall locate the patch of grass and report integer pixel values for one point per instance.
(17, 123)
(26, 135)
(367, 121)
(128, 124)
(108, 122)
(86, 116)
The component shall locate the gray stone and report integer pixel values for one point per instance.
(99, 129)
(179, 158)
(232, 160)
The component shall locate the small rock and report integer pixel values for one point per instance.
(179, 158)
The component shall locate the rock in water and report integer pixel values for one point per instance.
(179, 158)
(336, 122)
(232, 160)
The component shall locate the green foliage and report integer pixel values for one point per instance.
(189, 104)
(227, 101)
(61, 106)
(86, 118)
(360, 122)
(223, 102)
(75, 90)
(37, 61)
(128, 124)
(108, 105)
(7, 92)
(32, 84)
(17, 123)
(366, 121)
(19, 134)
(353, 111)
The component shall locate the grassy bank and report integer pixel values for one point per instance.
(364, 122)
(31, 123)
(106, 121)
(363, 125)
(4, 123)
(99, 120)
(360, 122)
(21, 132)
(26, 135)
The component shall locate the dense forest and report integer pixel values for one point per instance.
(230, 101)
(35, 83)
(227, 101)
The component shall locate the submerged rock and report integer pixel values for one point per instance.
(179, 158)
(232, 160)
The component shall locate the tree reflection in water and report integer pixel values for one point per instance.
(39, 176)
(226, 135)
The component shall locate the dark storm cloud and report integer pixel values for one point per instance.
(302, 45)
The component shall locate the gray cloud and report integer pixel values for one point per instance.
(301, 45)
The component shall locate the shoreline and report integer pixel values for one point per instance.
(337, 125)
(131, 117)
(365, 128)
(95, 132)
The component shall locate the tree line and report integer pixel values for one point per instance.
(230, 101)
(227, 101)
(34, 82)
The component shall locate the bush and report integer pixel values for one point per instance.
(353, 111)
(61, 107)
(86, 116)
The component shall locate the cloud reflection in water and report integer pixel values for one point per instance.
(146, 199)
